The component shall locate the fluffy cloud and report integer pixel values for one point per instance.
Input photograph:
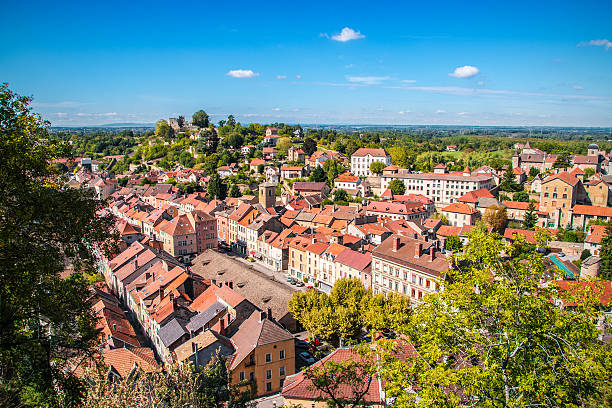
(408, 81)
(440, 111)
(369, 80)
(281, 77)
(466, 71)
(404, 112)
(607, 44)
(578, 87)
(276, 109)
(347, 34)
(241, 73)
(298, 77)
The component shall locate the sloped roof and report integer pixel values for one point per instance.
(460, 208)
(354, 259)
(372, 152)
(300, 387)
(256, 332)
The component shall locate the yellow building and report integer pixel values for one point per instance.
(264, 357)
(560, 192)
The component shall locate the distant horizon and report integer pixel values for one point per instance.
(361, 125)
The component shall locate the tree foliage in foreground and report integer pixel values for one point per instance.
(496, 338)
(44, 226)
(178, 385)
(347, 311)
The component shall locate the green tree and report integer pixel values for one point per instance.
(235, 191)
(260, 168)
(347, 310)
(333, 169)
(340, 195)
(564, 160)
(377, 167)
(534, 171)
(208, 141)
(522, 196)
(217, 188)
(496, 217)
(317, 174)
(508, 182)
(181, 121)
(397, 187)
(503, 345)
(606, 255)
(200, 119)
(589, 172)
(531, 218)
(231, 121)
(235, 140)
(309, 146)
(162, 129)
(44, 226)
(453, 243)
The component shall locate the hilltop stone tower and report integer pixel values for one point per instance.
(267, 194)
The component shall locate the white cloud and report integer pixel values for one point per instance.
(276, 109)
(440, 111)
(106, 114)
(298, 77)
(408, 81)
(349, 66)
(61, 114)
(463, 113)
(281, 77)
(369, 80)
(607, 44)
(578, 87)
(466, 71)
(347, 34)
(241, 73)
(403, 112)
(480, 83)
(380, 109)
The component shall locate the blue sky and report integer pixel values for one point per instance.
(472, 63)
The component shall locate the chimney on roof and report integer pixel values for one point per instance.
(135, 264)
(222, 327)
(114, 327)
(171, 296)
(269, 313)
(314, 239)
(262, 316)
(432, 254)
(231, 284)
(418, 249)
(396, 243)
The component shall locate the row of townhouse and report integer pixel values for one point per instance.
(189, 318)
(321, 264)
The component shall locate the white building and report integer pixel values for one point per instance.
(362, 158)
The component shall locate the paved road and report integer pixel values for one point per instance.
(280, 276)
(271, 401)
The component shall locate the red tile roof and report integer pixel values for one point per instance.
(565, 176)
(372, 152)
(596, 234)
(300, 387)
(354, 259)
(460, 208)
(472, 196)
(592, 210)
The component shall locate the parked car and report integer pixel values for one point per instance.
(289, 279)
(293, 281)
(307, 357)
(300, 284)
(302, 344)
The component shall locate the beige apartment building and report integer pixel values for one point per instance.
(409, 266)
